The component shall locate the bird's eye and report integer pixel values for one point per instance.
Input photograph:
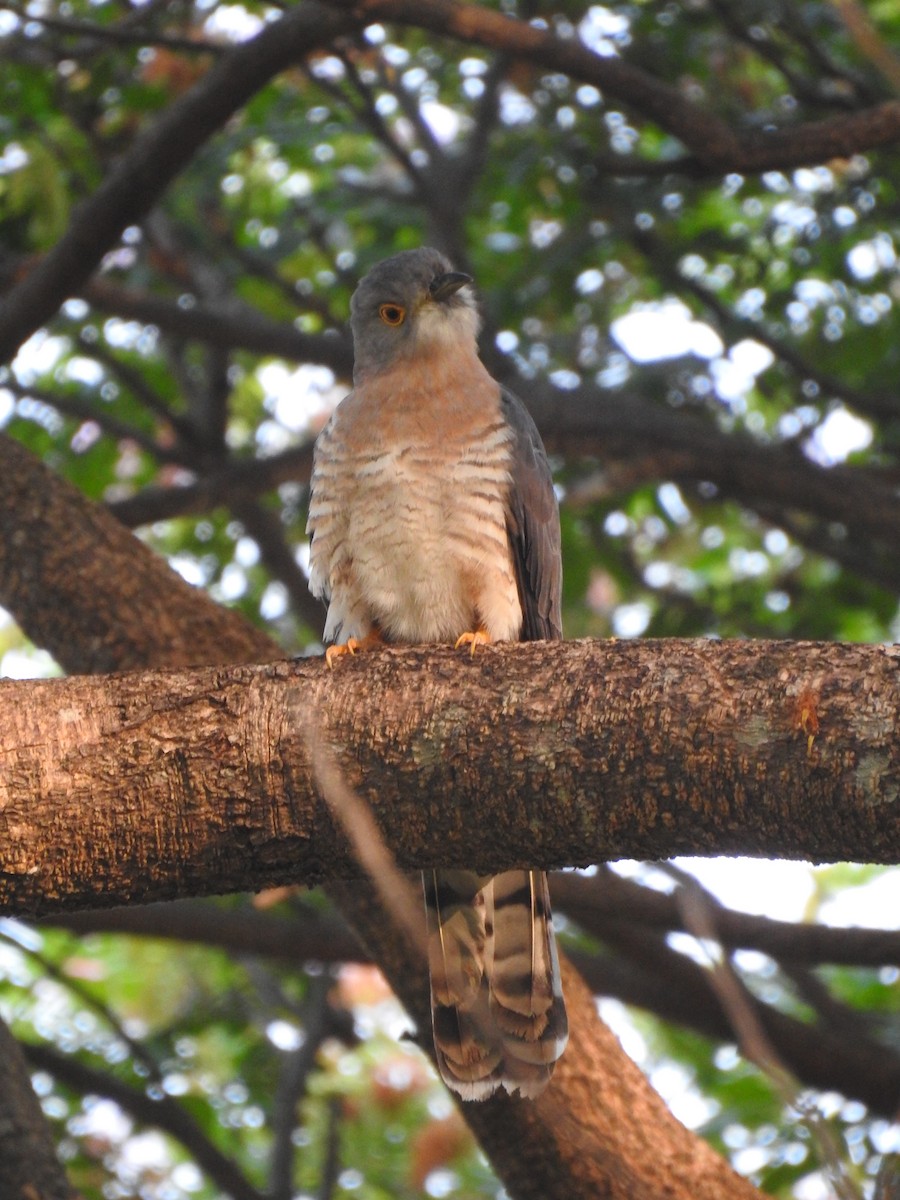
(392, 314)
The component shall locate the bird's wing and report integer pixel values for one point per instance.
(532, 524)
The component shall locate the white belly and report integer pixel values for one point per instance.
(423, 551)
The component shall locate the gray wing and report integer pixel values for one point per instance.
(532, 525)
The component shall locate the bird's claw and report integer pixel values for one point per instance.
(473, 638)
(333, 653)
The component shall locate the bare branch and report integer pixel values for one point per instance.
(712, 142)
(307, 935)
(233, 326)
(593, 901)
(226, 483)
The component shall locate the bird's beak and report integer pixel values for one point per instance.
(448, 284)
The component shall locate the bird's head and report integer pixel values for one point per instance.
(411, 304)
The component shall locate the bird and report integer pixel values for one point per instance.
(433, 518)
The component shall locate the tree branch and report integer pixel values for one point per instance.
(86, 589)
(713, 142)
(594, 901)
(231, 326)
(676, 989)
(164, 783)
(154, 159)
(305, 936)
(226, 483)
(644, 971)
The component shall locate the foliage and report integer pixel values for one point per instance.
(708, 347)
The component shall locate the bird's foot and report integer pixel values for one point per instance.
(473, 638)
(351, 646)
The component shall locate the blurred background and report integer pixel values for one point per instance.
(709, 340)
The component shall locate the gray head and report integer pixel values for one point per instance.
(411, 304)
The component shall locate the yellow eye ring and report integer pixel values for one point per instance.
(392, 314)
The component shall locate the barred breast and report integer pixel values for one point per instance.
(408, 523)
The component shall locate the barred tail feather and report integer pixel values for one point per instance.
(497, 1005)
(455, 912)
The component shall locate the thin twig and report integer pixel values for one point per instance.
(331, 1166)
(292, 1082)
(115, 34)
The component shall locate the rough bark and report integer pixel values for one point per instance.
(667, 748)
(208, 633)
(28, 1166)
(145, 786)
(88, 591)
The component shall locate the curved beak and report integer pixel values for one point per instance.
(448, 284)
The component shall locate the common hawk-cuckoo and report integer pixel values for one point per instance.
(433, 518)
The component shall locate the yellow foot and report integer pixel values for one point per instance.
(333, 653)
(477, 637)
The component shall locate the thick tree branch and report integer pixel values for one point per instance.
(154, 159)
(153, 785)
(83, 587)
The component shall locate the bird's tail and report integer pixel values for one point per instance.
(496, 997)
